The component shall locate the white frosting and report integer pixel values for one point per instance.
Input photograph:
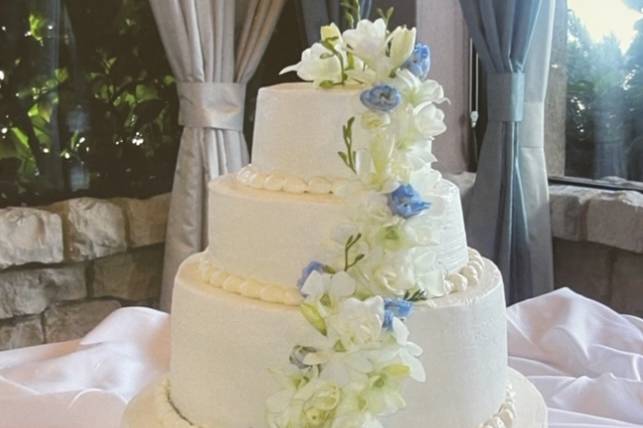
(271, 236)
(223, 346)
(298, 129)
(213, 274)
(169, 417)
(150, 408)
(251, 176)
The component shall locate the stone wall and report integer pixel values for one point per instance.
(598, 244)
(65, 267)
(597, 240)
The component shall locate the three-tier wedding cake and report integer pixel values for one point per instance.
(338, 290)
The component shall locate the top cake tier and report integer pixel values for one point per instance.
(298, 129)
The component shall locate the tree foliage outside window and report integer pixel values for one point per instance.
(604, 103)
(87, 101)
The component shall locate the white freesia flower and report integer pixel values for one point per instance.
(374, 164)
(368, 41)
(317, 65)
(402, 44)
(416, 91)
(403, 128)
(429, 120)
(408, 161)
(373, 120)
(331, 31)
(360, 74)
(425, 179)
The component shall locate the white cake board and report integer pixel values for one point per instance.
(531, 411)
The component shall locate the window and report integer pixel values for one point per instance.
(604, 103)
(87, 101)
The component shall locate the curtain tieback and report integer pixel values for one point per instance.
(506, 97)
(211, 105)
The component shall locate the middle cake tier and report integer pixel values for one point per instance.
(270, 236)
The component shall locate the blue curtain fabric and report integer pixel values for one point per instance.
(508, 218)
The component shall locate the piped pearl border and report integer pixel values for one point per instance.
(169, 417)
(470, 275)
(507, 413)
(247, 287)
(251, 176)
(215, 276)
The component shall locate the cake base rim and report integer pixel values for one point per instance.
(142, 411)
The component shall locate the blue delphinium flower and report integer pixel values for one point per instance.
(396, 308)
(419, 63)
(381, 98)
(313, 266)
(406, 202)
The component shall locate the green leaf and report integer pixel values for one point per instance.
(349, 156)
(416, 295)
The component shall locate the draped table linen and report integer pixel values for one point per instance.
(586, 360)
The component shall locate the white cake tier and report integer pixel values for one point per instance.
(152, 408)
(298, 129)
(270, 236)
(224, 346)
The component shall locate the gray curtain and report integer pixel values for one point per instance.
(508, 219)
(313, 14)
(214, 47)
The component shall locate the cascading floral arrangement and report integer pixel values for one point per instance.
(353, 373)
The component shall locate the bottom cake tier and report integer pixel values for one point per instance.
(152, 408)
(224, 346)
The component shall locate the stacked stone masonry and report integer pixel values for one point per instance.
(597, 240)
(65, 267)
(598, 244)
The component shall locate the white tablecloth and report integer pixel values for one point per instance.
(586, 360)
